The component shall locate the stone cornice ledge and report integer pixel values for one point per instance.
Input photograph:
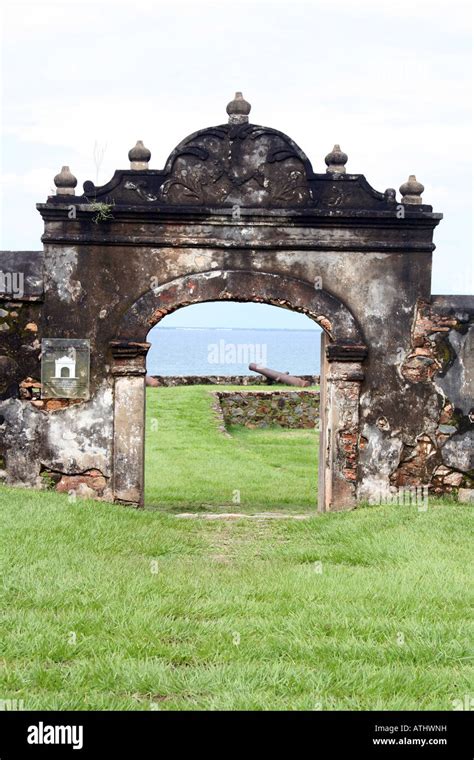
(358, 231)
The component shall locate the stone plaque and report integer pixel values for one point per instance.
(65, 368)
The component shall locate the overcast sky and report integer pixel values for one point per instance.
(389, 81)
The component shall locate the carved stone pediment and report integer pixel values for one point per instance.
(237, 165)
(242, 165)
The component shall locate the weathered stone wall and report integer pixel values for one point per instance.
(21, 297)
(44, 442)
(172, 380)
(441, 365)
(258, 409)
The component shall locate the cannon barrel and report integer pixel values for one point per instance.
(279, 377)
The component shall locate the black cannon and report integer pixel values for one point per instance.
(279, 377)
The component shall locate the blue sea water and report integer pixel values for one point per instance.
(226, 351)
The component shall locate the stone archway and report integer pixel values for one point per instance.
(238, 213)
(343, 351)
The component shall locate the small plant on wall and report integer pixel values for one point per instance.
(102, 212)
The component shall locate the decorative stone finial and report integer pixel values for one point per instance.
(411, 190)
(139, 156)
(391, 194)
(238, 110)
(335, 161)
(65, 182)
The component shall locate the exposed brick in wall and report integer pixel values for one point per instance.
(349, 435)
(441, 457)
(89, 484)
(427, 355)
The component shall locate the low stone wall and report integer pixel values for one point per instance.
(172, 380)
(286, 408)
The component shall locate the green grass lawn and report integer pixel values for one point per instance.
(106, 607)
(190, 463)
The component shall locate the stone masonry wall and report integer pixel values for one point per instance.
(172, 380)
(289, 409)
(442, 360)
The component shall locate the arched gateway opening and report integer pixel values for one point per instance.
(343, 351)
